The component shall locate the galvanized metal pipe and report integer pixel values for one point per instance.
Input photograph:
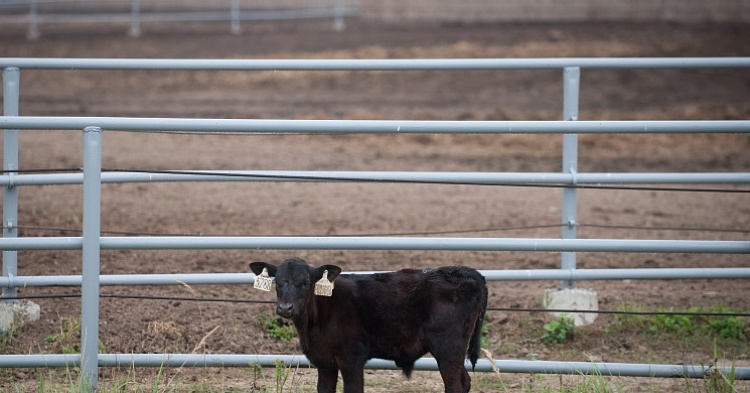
(375, 64)
(275, 126)
(11, 91)
(338, 15)
(571, 88)
(90, 245)
(423, 364)
(135, 18)
(33, 32)
(133, 279)
(234, 16)
(381, 243)
(490, 275)
(479, 178)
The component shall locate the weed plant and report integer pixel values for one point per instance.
(277, 328)
(724, 327)
(8, 337)
(559, 331)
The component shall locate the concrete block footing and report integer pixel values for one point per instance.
(572, 299)
(17, 313)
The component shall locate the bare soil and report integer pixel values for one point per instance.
(254, 209)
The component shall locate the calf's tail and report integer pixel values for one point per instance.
(475, 344)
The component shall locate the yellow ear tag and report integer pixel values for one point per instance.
(324, 287)
(263, 281)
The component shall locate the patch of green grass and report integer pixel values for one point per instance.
(725, 327)
(376, 383)
(729, 327)
(559, 331)
(277, 328)
(716, 381)
(485, 341)
(281, 375)
(68, 339)
(8, 337)
(586, 383)
(69, 380)
(285, 379)
(488, 382)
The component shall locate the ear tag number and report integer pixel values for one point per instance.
(324, 287)
(263, 281)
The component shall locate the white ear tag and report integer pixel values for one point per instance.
(263, 281)
(324, 287)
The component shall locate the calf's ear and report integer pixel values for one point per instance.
(257, 268)
(333, 272)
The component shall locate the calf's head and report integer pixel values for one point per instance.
(295, 281)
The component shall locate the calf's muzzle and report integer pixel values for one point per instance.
(285, 309)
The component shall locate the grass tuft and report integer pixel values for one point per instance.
(277, 328)
(559, 331)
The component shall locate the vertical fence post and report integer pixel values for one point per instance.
(571, 84)
(135, 18)
(234, 14)
(33, 32)
(11, 91)
(92, 167)
(338, 15)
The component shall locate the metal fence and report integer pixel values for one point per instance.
(36, 13)
(91, 242)
(545, 10)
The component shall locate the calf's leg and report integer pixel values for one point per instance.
(449, 350)
(327, 379)
(454, 375)
(354, 377)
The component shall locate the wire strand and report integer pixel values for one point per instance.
(690, 229)
(415, 233)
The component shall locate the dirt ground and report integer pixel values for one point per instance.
(256, 209)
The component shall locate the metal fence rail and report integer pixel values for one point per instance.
(376, 126)
(375, 64)
(91, 242)
(477, 178)
(377, 243)
(424, 364)
(489, 275)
